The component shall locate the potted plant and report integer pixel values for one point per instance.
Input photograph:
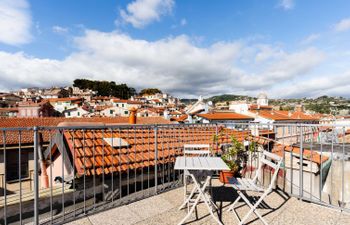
(235, 156)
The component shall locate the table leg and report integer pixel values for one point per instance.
(201, 195)
(188, 198)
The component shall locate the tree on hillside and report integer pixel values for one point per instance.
(106, 88)
(64, 93)
(150, 91)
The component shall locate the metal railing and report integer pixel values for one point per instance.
(86, 169)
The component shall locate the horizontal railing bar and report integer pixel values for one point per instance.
(124, 126)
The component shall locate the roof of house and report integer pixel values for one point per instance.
(130, 102)
(8, 109)
(261, 107)
(32, 104)
(224, 116)
(101, 98)
(175, 113)
(94, 155)
(64, 99)
(12, 137)
(272, 115)
(74, 109)
(298, 115)
(182, 118)
(310, 155)
(280, 149)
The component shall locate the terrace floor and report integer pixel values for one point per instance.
(277, 208)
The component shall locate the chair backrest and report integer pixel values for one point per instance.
(196, 150)
(272, 160)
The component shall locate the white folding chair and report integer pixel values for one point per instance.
(193, 150)
(241, 185)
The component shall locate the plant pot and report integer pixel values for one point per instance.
(226, 175)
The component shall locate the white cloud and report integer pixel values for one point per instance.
(342, 25)
(173, 64)
(317, 86)
(143, 12)
(286, 4)
(309, 39)
(15, 22)
(60, 30)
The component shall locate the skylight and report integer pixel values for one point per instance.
(116, 142)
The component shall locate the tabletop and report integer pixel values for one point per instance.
(200, 163)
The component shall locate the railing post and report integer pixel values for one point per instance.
(301, 180)
(217, 138)
(36, 178)
(156, 159)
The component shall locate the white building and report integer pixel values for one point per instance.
(75, 112)
(239, 107)
(122, 103)
(115, 111)
(62, 104)
(262, 100)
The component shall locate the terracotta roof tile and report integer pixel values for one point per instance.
(103, 158)
(63, 99)
(279, 148)
(12, 137)
(225, 116)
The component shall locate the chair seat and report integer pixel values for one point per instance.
(245, 184)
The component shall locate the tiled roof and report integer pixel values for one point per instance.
(8, 109)
(90, 148)
(279, 149)
(225, 116)
(175, 113)
(64, 99)
(101, 98)
(32, 104)
(307, 154)
(273, 115)
(261, 107)
(298, 115)
(12, 137)
(127, 101)
(102, 107)
(259, 139)
(180, 119)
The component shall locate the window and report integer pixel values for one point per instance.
(126, 112)
(78, 113)
(111, 111)
(123, 105)
(68, 113)
(12, 165)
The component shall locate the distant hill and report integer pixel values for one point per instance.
(322, 104)
(188, 101)
(229, 97)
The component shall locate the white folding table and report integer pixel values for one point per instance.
(193, 165)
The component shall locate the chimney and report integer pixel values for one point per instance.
(132, 116)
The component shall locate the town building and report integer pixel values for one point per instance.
(35, 109)
(62, 104)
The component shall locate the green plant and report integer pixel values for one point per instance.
(234, 155)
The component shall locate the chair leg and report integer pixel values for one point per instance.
(253, 208)
(234, 203)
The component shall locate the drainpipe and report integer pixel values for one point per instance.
(44, 177)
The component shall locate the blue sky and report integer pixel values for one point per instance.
(286, 48)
